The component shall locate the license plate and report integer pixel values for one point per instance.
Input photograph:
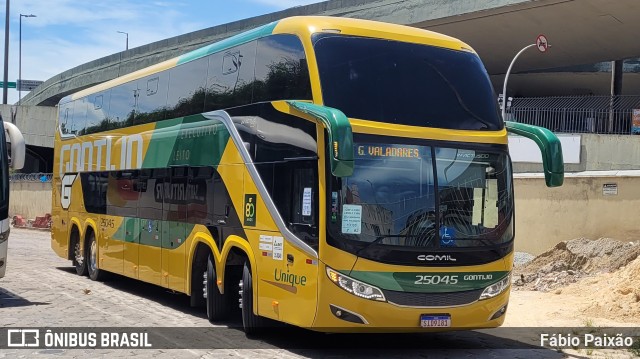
(435, 321)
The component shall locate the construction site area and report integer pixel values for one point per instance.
(591, 282)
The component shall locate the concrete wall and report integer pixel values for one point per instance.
(37, 123)
(29, 199)
(546, 216)
(598, 153)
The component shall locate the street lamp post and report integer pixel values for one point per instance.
(126, 33)
(19, 85)
(5, 84)
(506, 78)
(542, 44)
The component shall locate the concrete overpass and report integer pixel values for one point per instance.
(580, 31)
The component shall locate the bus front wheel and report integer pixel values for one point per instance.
(216, 302)
(251, 322)
(92, 259)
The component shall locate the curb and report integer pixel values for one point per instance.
(35, 229)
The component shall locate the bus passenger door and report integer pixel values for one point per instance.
(289, 275)
(151, 189)
(174, 229)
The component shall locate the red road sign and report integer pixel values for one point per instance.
(542, 43)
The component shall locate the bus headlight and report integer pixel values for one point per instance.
(496, 288)
(355, 287)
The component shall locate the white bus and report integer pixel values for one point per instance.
(12, 153)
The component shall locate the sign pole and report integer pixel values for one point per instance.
(6, 56)
(543, 45)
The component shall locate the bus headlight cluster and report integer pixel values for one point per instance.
(355, 287)
(496, 288)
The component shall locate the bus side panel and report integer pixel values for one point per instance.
(150, 252)
(59, 222)
(173, 254)
(287, 277)
(131, 247)
(59, 216)
(110, 243)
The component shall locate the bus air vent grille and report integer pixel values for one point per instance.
(432, 299)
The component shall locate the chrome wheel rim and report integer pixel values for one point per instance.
(79, 256)
(93, 258)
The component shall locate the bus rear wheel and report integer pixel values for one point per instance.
(92, 259)
(252, 323)
(79, 259)
(217, 308)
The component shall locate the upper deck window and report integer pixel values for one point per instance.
(405, 83)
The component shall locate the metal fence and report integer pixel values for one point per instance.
(31, 177)
(578, 114)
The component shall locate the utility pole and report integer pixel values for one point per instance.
(5, 84)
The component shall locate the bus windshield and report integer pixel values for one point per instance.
(406, 195)
(404, 83)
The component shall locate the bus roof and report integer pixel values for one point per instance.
(303, 26)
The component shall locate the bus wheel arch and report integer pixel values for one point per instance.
(206, 291)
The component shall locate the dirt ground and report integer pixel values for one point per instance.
(580, 282)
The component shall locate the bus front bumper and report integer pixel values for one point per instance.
(340, 311)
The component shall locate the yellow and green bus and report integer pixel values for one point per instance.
(335, 174)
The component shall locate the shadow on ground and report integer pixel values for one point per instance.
(229, 334)
(11, 300)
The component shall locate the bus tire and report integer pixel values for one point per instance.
(79, 260)
(216, 302)
(252, 323)
(91, 254)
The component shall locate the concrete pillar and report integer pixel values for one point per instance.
(616, 77)
(616, 90)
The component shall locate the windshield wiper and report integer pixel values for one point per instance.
(380, 238)
(453, 89)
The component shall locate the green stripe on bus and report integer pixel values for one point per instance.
(192, 140)
(154, 233)
(428, 282)
(229, 42)
(162, 142)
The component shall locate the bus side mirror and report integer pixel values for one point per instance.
(550, 147)
(14, 136)
(340, 135)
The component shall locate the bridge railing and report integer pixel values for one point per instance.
(579, 114)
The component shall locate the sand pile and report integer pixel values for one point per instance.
(570, 261)
(613, 295)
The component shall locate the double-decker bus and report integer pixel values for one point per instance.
(12, 155)
(334, 174)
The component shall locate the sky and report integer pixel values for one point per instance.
(68, 33)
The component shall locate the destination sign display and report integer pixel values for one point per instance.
(395, 151)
